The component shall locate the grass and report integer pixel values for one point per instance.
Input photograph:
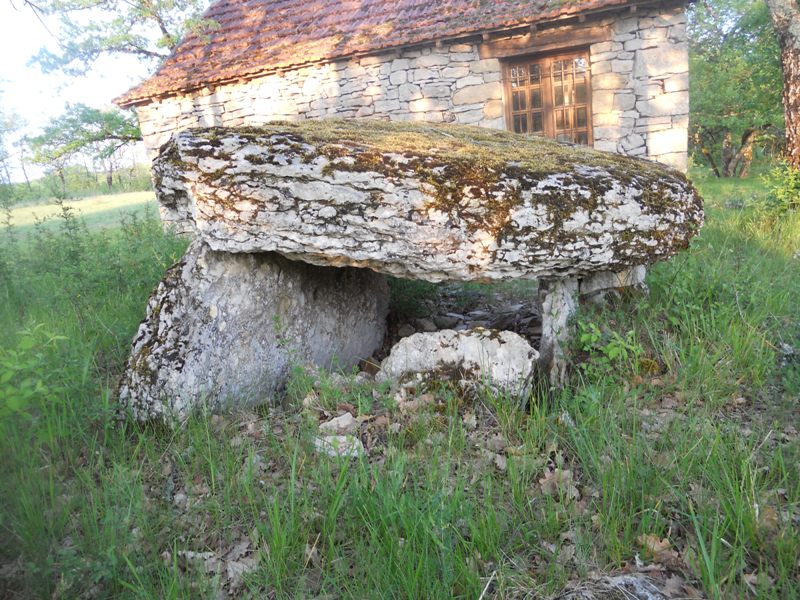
(97, 211)
(675, 444)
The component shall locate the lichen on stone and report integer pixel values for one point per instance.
(392, 196)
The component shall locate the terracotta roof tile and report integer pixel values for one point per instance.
(254, 37)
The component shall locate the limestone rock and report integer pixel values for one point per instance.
(559, 298)
(502, 359)
(593, 288)
(339, 446)
(224, 329)
(344, 424)
(431, 202)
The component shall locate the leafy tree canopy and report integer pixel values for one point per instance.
(735, 84)
(9, 125)
(88, 29)
(736, 77)
(82, 129)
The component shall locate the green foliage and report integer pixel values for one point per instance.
(89, 29)
(736, 79)
(83, 132)
(82, 129)
(609, 351)
(24, 371)
(80, 182)
(9, 125)
(65, 274)
(783, 188)
(735, 66)
(778, 198)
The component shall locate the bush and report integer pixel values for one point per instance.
(24, 372)
(783, 191)
(409, 298)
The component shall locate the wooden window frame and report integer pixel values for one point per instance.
(545, 60)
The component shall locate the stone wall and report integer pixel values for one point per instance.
(639, 81)
(640, 87)
(425, 84)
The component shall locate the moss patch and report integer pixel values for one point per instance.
(448, 143)
(473, 175)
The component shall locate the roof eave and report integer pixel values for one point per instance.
(128, 101)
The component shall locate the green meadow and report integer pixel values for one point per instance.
(673, 452)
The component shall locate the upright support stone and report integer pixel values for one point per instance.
(559, 299)
(595, 288)
(225, 329)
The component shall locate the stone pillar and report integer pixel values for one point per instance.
(559, 299)
(224, 329)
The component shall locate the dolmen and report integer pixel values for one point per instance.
(295, 225)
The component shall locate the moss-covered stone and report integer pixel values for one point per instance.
(424, 201)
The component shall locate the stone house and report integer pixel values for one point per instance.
(608, 73)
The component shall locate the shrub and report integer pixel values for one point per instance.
(783, 191)
(24, 372)
(409, 298)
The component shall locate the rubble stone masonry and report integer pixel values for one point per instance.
(640, 90)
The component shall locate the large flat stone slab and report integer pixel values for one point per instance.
(423, 201)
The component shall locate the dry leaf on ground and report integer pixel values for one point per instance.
(559, 482)
(658, 549)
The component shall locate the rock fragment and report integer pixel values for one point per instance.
(339, 446)
(342, 425)
(501, 359)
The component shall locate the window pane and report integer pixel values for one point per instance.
(519, 76)
(535, 74)
(551, 96)
(580, 93)
(558, 93)
(536, 98)
(518, 101)
(580, 117)
(557, 71)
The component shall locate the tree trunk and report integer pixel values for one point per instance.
(747, 159)
(727, 154)
(744, 155)
(791, 103)
(63, 181)
(702, 141)
(786, 19)
(24, 170)
(110, 177)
